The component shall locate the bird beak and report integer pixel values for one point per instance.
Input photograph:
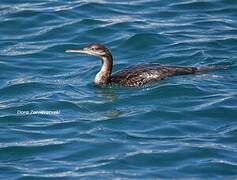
(76, 51)
(82, 51)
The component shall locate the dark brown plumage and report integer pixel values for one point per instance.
(139, 75)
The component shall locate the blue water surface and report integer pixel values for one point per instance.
(182, 127)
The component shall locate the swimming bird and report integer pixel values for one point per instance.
(132, 76)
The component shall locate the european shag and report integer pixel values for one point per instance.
(132, 76)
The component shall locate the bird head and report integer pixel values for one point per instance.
(92, 49)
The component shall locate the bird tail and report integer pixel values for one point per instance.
(211, 68)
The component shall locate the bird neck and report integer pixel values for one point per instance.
(103, 75)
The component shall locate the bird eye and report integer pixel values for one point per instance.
(94, 48)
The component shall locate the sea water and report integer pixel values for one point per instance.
(55, 123)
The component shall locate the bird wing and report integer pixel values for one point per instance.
(140, 74)
(134, 75)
